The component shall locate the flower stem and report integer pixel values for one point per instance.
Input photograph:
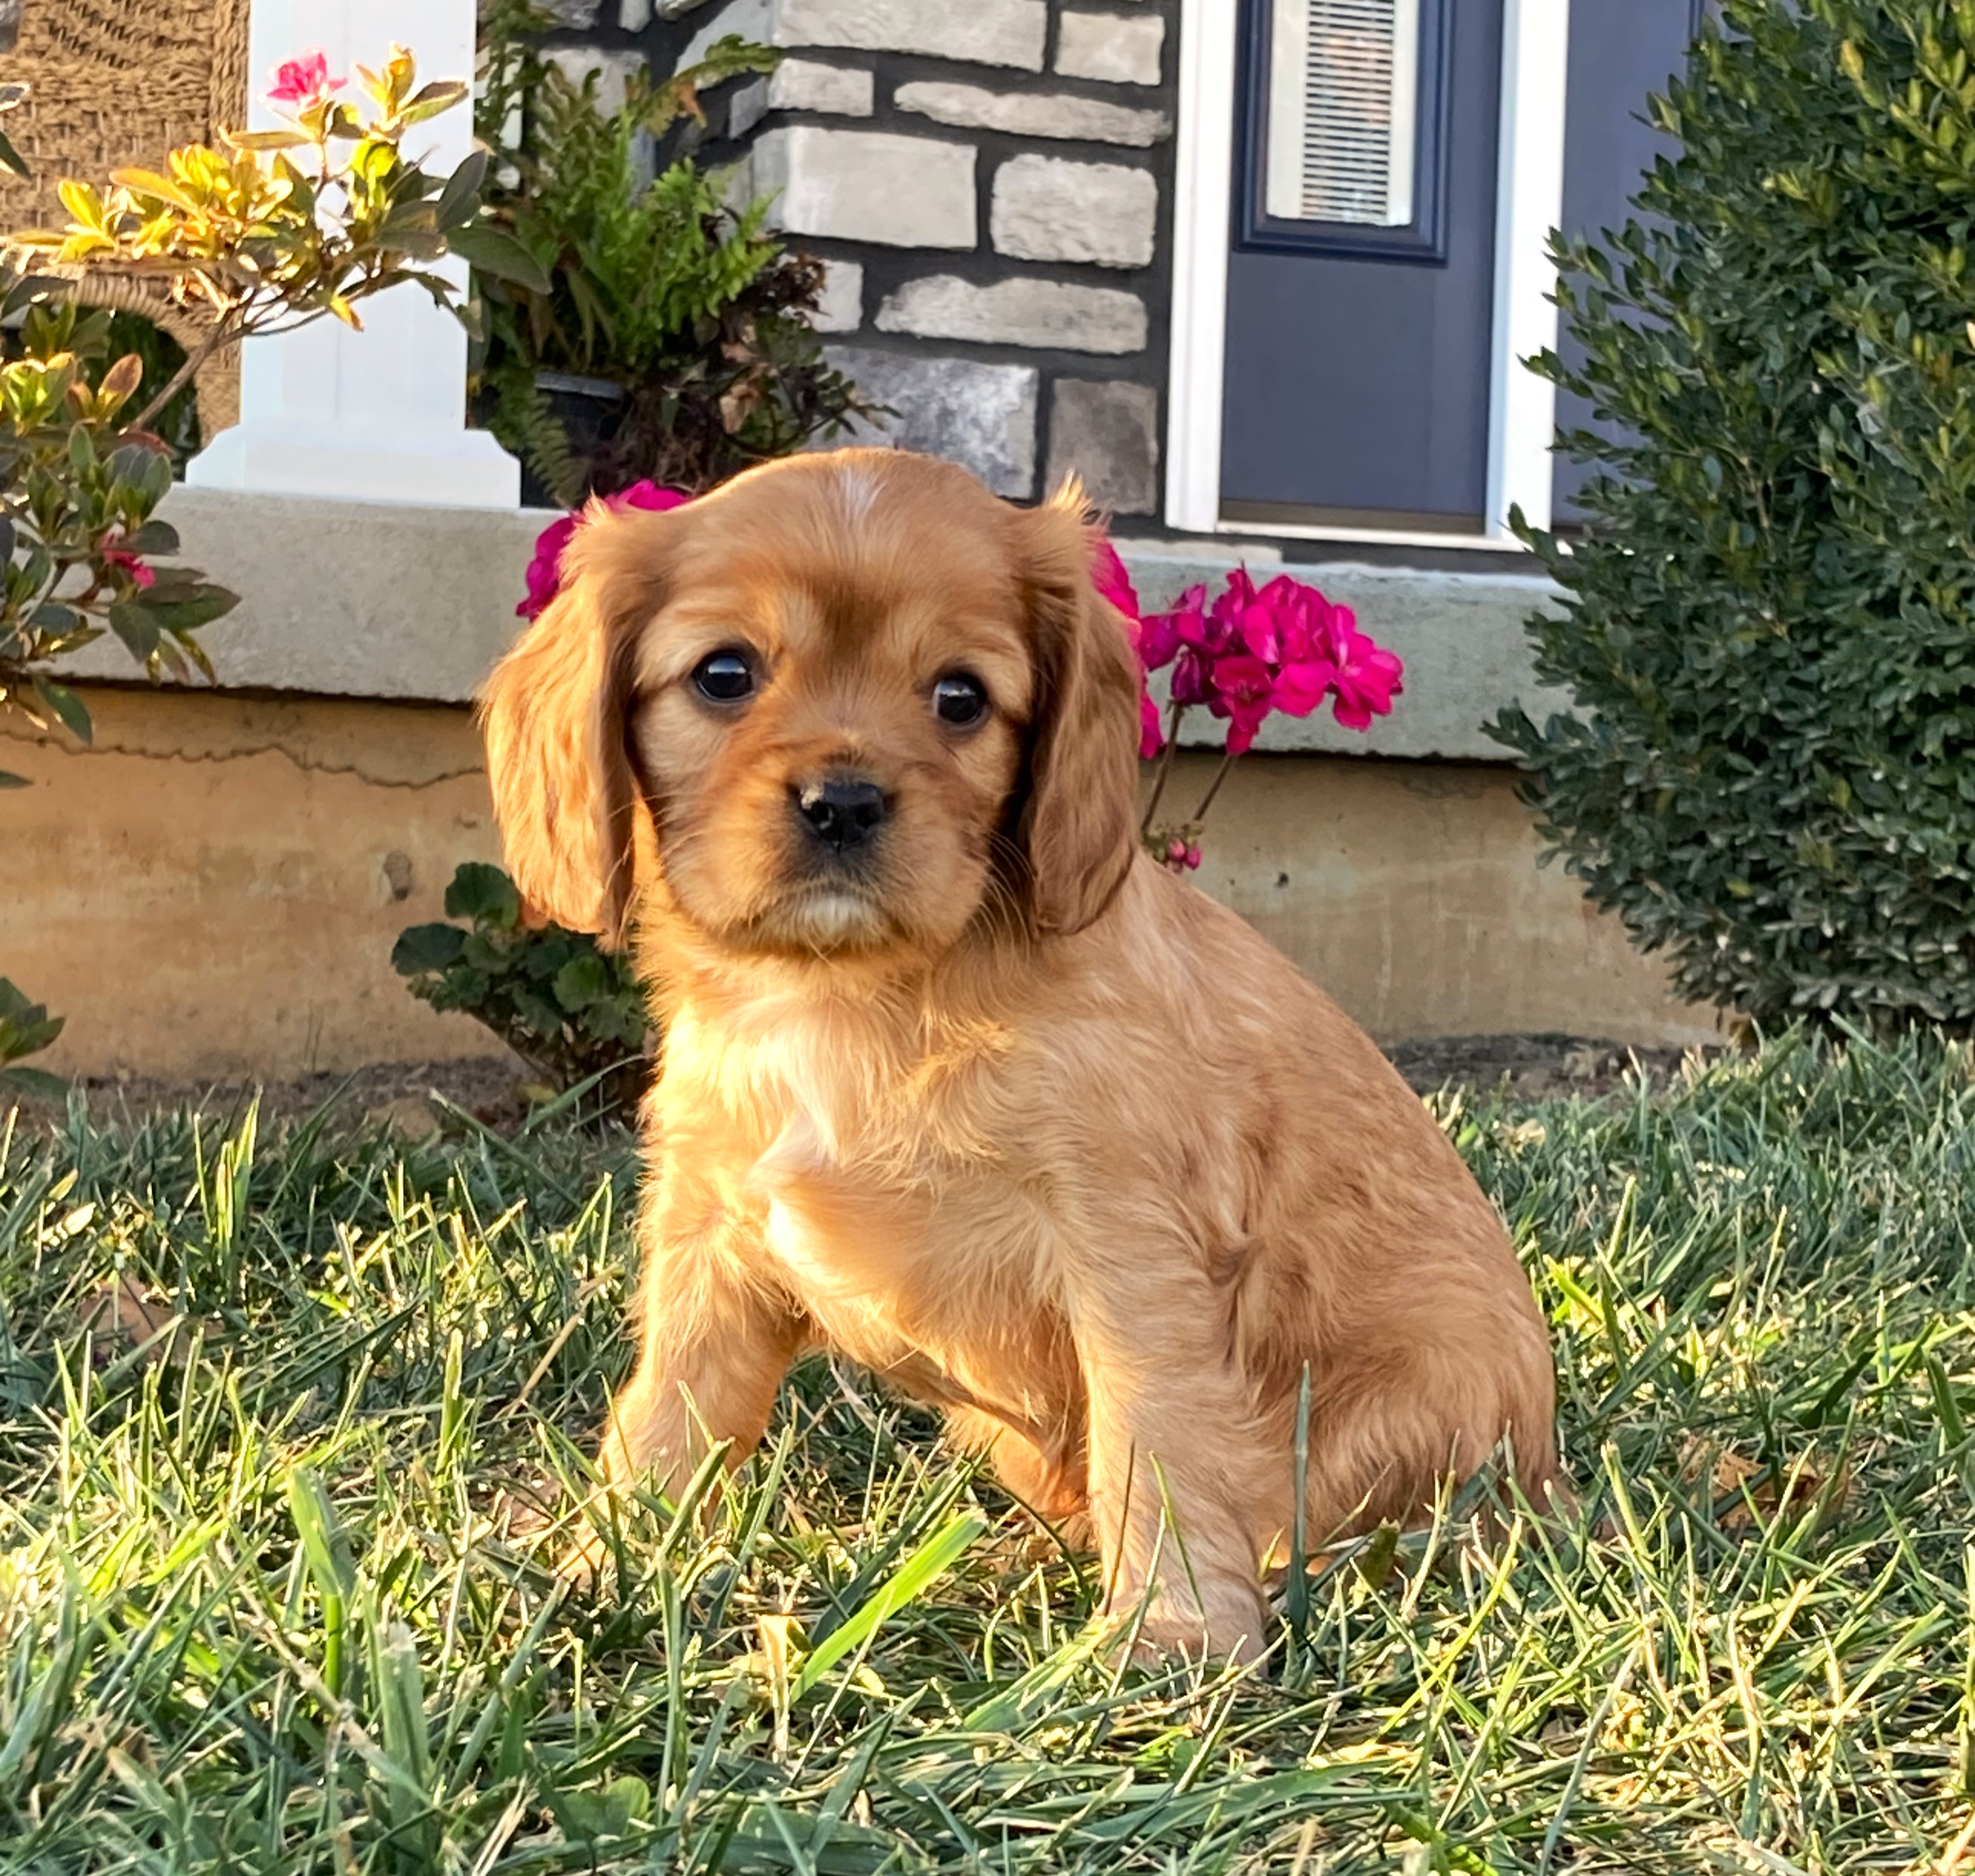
(1214, 787)
(1165, 765)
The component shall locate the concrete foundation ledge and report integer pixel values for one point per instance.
(345, 599)
(213, 889)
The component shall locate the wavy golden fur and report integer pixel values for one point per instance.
(985, 1100)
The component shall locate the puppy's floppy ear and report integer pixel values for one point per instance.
(554, 716)
(1078, 825)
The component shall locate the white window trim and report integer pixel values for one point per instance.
(1529, 198)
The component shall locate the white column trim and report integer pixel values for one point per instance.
(379, 415)
(1536, 70)
(1529, 204)
(1202, 182)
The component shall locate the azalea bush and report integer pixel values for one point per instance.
(272, 230)
(682, 322)
(1769, 625)
(276, 228)
(79, 478)
(1252, 652)
(285, 226)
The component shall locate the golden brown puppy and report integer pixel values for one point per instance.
(956, 1080)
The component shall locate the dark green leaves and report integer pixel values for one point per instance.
(1770, 623)
(484, 895)
(490, 251)
(421, 948)
(550, 995)
(26, 1028)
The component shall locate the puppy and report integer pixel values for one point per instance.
(956, 1080)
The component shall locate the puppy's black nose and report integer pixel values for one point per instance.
(842, 813)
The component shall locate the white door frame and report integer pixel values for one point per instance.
(1522, 406)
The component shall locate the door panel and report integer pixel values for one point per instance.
(1361, 286)
(1621, 51)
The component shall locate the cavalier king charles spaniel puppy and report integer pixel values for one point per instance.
(957, 1081)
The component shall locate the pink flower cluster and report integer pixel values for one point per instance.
(545, 569)
(129, 566)
(1283, 646)
(303, 81)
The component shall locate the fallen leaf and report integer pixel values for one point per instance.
(124, 1312)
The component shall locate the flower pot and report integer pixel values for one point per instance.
(590, 410)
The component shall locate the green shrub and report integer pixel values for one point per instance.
(1770, 627)
(568, 1009)
(26, 1028)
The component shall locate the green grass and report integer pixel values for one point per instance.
(269, 1608)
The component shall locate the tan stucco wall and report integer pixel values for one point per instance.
(1410, 891)
(212, 889)
(209, 891)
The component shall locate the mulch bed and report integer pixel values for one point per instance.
(1533, 1066)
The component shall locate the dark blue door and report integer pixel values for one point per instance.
(1361, 284)
(1620, 51)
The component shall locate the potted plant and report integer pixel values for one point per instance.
(666, 338)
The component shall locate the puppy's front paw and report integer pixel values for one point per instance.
(1235, 1627)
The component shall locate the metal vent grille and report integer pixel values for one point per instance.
(1343, 80)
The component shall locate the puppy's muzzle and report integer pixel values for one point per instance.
(841, 813)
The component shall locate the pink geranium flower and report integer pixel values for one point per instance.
(1158, 639)
(1243, 693)
(1198, 637)
(647, 495)
(1367, 676)
(1114, 587)
(1113, 583)
(303, 81)
(545, 574)
(1255, 650)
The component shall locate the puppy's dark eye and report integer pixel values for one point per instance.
(960, 698)
(725, 677)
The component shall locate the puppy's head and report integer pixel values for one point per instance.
(861, 701)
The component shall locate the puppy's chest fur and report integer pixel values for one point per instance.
(892, 1200)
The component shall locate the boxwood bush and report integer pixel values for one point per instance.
(1769, 617)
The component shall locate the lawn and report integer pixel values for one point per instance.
(269, 1600)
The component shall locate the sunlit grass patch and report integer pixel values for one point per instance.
(274, 1595)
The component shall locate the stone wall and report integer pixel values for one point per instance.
(990, 183)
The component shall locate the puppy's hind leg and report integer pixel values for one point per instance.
(1389, 1425)
(1051, 1488)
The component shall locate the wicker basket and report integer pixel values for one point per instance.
(117, 82)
